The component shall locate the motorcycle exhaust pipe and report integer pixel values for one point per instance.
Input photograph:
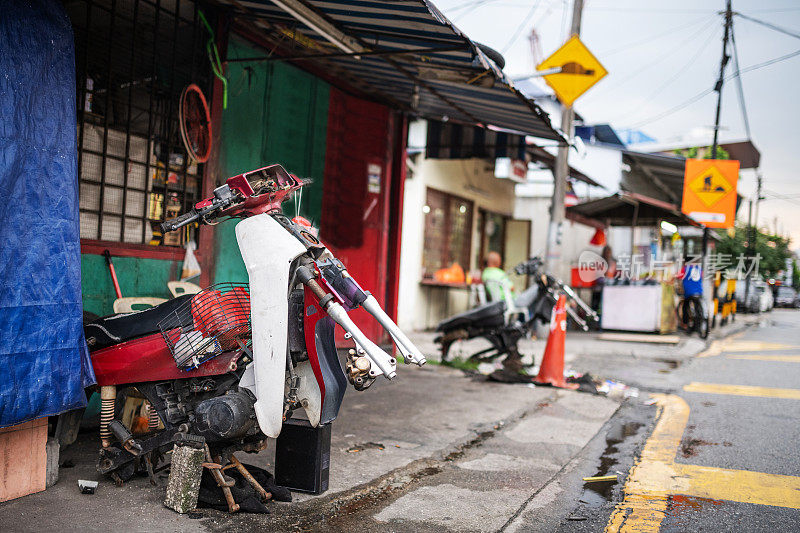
(410, 352)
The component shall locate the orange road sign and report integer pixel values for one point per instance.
(579, 70)
(709, 191)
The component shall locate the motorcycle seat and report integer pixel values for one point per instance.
(115, 329)
(526, 297)
(487, 315)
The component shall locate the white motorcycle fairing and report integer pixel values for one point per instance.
(268, 251)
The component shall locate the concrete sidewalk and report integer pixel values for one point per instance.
(434, 434)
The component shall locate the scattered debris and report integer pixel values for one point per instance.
(596, 479)
(577, 518)
(366, 446)
(86, 486)
(486, 368)
(618, 390)
(651, 401)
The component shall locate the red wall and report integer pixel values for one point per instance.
(355, 217)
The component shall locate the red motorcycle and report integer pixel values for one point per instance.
(228, 366)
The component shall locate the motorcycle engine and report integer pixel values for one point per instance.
(230, 416)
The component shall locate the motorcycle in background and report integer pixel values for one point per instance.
(226, 367)
(503, 330)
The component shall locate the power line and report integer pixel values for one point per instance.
(521, 26)
(650, 38)
(636, 73)
(675, 76)
(770, 25)
(739, 87)
(697, 97)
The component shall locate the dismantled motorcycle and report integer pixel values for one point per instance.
(504, 330)
(225, 368)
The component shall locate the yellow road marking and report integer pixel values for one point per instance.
(743, 390)
(755, 346)
(756, 357)
(716, 347)
(656, 476)
(732, 344)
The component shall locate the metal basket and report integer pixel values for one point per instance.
(213, 321)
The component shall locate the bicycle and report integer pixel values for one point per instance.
(693, 315)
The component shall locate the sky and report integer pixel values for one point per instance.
(659, 56)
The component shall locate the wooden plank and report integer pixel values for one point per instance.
(23, 459)
(637, 337)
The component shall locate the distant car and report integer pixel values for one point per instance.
(759, 297)
(751, 303)
(786, 297)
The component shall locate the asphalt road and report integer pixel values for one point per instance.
(717, 451)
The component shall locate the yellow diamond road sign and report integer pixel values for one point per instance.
(579, 70)
(710, 186)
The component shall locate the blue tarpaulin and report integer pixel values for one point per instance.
(44, 361)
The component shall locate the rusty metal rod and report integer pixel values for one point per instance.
(265, 496)
(226, 488)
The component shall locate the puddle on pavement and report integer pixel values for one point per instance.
(598, 493)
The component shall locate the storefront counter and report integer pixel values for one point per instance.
(639, 308)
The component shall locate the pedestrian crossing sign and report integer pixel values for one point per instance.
(709, 191)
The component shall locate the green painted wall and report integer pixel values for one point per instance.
(137, 277)
(276, 114)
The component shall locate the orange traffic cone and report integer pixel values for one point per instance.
(551, 371)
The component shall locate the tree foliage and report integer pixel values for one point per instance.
(773, 249)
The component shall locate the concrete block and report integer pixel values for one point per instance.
(183, 487)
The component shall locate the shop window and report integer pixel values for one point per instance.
(133, 60)
(448, 232)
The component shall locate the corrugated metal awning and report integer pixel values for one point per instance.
(405, 53)
(628, 209)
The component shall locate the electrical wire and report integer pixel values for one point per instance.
(769, 25)
(638, 72)
(521, 27)
(739, 87)
(776, 196)
(697, 97)
(675, 76)
(651, 38)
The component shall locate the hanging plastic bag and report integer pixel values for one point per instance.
(191, 267)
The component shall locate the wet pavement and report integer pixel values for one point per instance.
(718, 451)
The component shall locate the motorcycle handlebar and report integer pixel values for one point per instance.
(181, 221)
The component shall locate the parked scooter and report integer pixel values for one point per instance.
(227, 366)
(504, 331)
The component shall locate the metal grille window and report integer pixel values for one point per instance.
(133, 60)
(448, 232)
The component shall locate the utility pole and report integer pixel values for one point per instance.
(722, 64)
(750, 238)
(553, 249)
(759, 181)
